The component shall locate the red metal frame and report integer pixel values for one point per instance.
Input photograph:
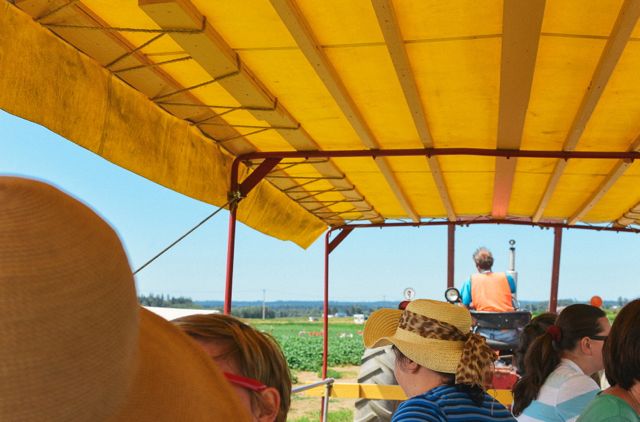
(433, 152)
(451, 250)
(325, 316)
(257, 175)
(271, 159)
(555, 270)
(329, 246)
(231, 247)
(513, 222)
(325, 307)
(239, 191)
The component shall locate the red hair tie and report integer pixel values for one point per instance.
(555, 332)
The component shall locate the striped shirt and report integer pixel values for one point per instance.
(563, 396)
(446, 403)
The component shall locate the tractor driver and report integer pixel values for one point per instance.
(486, 290)
(491, 292)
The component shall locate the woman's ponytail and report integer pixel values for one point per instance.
(539, 361)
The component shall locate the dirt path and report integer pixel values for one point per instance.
(307, 406)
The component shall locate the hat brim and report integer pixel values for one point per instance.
(176, 380)
(381, 325)
(438, 355)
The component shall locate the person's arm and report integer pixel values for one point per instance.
(512, 283)
(465, 293)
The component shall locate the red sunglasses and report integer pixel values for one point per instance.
(244, 382)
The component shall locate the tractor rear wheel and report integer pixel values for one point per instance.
(376, 367)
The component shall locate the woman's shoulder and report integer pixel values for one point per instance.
(458, 404)
(568, 375)
(607, 407)
(448, 403)
(422, 407)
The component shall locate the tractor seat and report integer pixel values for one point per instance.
(503, 321)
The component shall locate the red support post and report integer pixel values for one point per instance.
(325, 316)
(451, 249)
(329, 246)
(555, 270)
(231, 245)
(325, 307)
(237, 192)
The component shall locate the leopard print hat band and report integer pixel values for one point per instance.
(476, 355)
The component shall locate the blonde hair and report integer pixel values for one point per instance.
(256, 354)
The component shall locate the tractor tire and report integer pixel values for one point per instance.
(376, 367)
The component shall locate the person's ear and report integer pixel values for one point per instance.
(585, 346)
(269, 405)
(412, 367)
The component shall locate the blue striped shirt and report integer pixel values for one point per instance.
(446, 403)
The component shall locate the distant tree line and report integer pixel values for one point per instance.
(167, 301)
(292, 312)
(253, 312)
(541, 306)
(293, 308)
(275, 311)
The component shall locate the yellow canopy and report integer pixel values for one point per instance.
(173, 89)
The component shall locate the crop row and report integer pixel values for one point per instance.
(305, 353)
(301, 342)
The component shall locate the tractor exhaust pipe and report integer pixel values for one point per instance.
(512, 265)
(512, 256)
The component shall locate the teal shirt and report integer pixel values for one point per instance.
(608, 408)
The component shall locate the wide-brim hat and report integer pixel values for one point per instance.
(383, 328)
(74, 343)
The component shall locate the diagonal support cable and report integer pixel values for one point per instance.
(175, 242)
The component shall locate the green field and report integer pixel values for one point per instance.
(301, 341)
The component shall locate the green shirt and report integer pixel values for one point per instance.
(608, 408)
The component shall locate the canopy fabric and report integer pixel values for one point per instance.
(58, 87)
(173, 89)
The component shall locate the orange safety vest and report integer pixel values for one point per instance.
(491, 292)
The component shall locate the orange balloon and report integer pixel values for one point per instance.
(596, 301)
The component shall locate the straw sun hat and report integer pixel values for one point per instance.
(74, 344)
(435, 335)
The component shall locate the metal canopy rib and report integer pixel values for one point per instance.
(625, 22)
(205, 120)
(395, 45)
(216, 57)
(87, 18)
(617, 172)
(165, 82)
(632, 215)
(304, 37)
(522, 22)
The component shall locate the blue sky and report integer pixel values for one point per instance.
(371, 264)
